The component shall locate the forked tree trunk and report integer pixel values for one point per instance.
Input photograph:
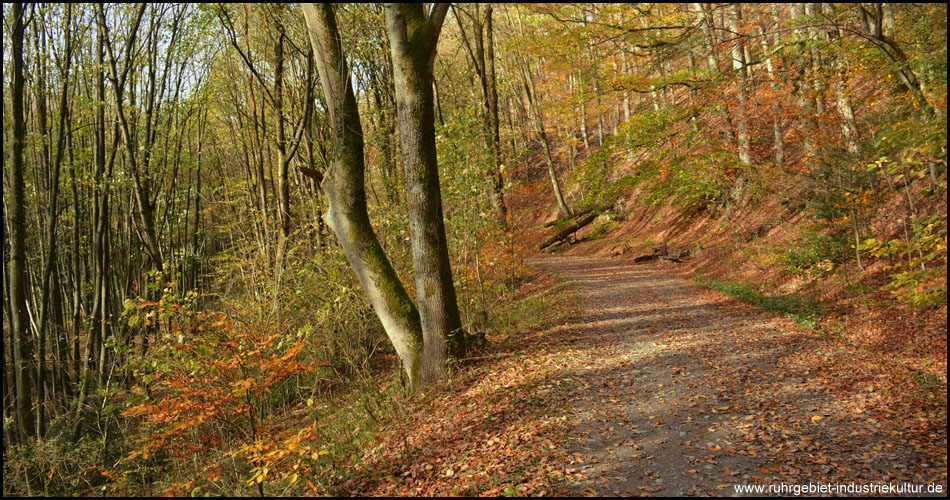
(346, 194)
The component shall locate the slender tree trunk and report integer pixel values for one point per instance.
(143, 203)
(625, 68)
(777, 131)
(848, 124)
(283, 184)
(23, 355)
(739, 66)
(99, 324)
(818, 88)
(712, 63)
(497, 177)
(563, 209)
(483, 59)
(534, 108)
(805, 101)
(583, 117)
(43, 332)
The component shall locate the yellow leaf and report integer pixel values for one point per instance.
(293, 478)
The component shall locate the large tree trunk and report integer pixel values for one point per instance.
(413, 37)
(344, 186)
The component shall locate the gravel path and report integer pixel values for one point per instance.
(681, 391)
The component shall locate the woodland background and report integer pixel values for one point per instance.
(179, 318)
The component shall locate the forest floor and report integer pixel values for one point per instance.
(647, 384)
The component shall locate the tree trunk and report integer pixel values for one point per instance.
(413, 37)
(497, 178)
(346, 194)
(739, 66)
(805, 101)
(712, 62)
(483, 59)
(625, 68)
(143, 203)
(23, 356)
(535, 107)
(283, 184)
(777, 131)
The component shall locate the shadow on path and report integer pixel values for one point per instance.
(678, 395)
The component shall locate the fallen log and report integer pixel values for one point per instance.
(555, 222)
(678, 255)
(670, 256)
(582, 213)
(555, 246)
(564, 233)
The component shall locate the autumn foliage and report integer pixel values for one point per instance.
(216, 385)
(173, 159)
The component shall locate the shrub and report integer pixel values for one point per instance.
(212, 387)
(53, 467)
(604, 224)
(812, 248)
(920, 273)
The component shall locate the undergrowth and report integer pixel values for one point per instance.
(805, 311)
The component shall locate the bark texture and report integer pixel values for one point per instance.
(413, 36)
(346, 194)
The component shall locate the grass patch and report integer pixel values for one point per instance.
(538, 308)
(803, 310)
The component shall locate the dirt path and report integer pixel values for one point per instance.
(682, 391)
